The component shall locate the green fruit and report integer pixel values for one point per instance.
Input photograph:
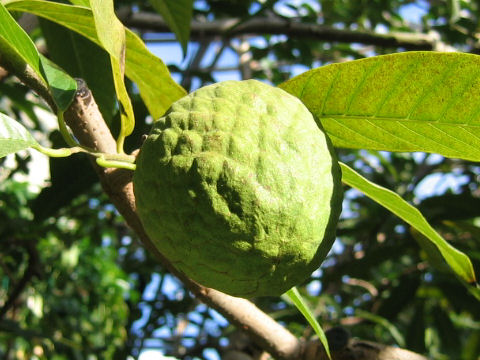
(239, 188)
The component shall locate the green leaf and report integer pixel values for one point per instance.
(457, 260)
(109, 29)
(297, 299)
(178, 15)
(13, 136)
(75, 54)
(15, 45)
(62, 86)
(414, 101)
(157, 88)
(111, 34)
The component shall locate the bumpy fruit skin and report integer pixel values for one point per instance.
(239, 188)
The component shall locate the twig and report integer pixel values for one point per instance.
(30, 271)
(194, 63)
(276, 26)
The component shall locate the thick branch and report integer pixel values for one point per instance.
(276, 26)
(356, 349)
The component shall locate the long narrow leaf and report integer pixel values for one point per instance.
(85, 3)
(110, 31)
(111, 34)
(157, 88)
(457, 260)
(297, 299)
(414, 101)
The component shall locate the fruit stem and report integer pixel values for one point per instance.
(64, 130)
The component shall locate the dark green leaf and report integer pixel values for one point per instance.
(178, 15)
(392, 329)
(62, 86)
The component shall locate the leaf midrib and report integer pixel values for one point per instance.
(394, 119)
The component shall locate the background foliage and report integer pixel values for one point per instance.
(76, 283)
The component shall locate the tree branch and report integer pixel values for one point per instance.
(278, 26)
(87, 124)
(356, 349)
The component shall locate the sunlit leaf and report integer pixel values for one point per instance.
(457, 260)
(156, 86)
(15, 45)
(416, 101)
(111, 34)
(81, 2)
(13, 136)
(19, 50)
(300, 304)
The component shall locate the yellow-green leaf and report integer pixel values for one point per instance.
(111, 34)
(110, 31)
(414, 101)
(126, 110)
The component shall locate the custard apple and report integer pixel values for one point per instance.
(239, 187)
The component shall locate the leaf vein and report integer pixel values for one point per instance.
(366, 73)
(333, 82)
(428, 90)
(402, 74)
